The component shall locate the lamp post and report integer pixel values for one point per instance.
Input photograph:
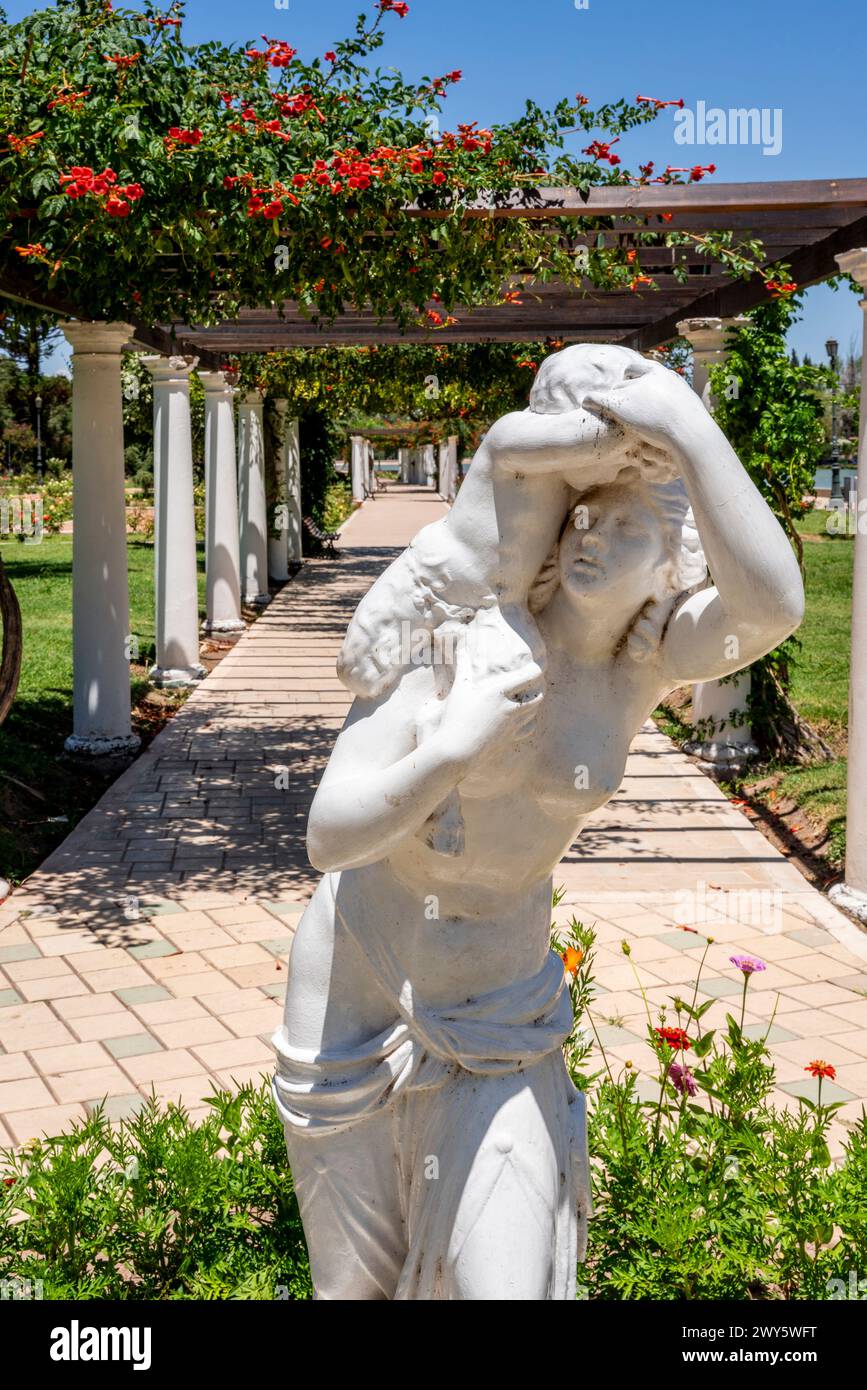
(831, 349)
(39, 438)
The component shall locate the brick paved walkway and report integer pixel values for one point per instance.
(149, 950)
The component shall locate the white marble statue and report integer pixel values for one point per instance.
(502, 666)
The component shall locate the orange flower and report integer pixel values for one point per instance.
(821, 1070)
(571, 959)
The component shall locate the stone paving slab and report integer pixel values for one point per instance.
(148, 951)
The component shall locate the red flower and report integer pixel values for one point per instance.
(273, 209)
(331, 57)
(821, 1070)
(675, 1037)
(779, 289)
(22, 142)
(698, 171)
(117, 207)
(439, 177)
(661, 104)
(133, 191)
(122, 60)
(599, 149)
(69, 99)
(183, 137)
(280, 55)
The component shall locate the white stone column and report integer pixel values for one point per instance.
(358, 466)
(253, 506)
(429, 466)
(404, 458)
(101, 644)
(175, 569)
(442, 468)
(278, 533)
(852, 892)
(729, 748)
(294, 529)
(222, 551)
(452, 468)
(369, 466)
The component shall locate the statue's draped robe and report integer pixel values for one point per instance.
(428, 1070)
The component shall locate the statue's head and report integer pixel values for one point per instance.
(566, 377)
(632, 546)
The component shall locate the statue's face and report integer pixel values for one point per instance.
(612, 549)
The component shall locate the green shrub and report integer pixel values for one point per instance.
(707, 1191)
(158, 1208)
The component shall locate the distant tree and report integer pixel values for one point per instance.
(25, 336)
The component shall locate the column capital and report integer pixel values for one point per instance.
(215, 383)
(167, 370)
(708, 334)
(854, 263)
(96, 337)
(252, 398)
(280, 404)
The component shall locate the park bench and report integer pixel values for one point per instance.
(325, 538)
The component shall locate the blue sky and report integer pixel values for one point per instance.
(803, 58)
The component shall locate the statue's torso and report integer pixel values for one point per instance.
(464, 924)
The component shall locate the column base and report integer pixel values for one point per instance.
(218, 625)
(256, 600)
(722, 760)
(176, 677)
(122, 746)
(852, 900)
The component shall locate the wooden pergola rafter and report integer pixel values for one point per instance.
(803, 223)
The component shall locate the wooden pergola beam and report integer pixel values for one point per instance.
(612, 200)
(808, 265)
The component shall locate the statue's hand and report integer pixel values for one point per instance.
(654, 402)
(486, 712)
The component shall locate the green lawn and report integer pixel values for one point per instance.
(814, 795)
(35, 788)
(820, 686)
